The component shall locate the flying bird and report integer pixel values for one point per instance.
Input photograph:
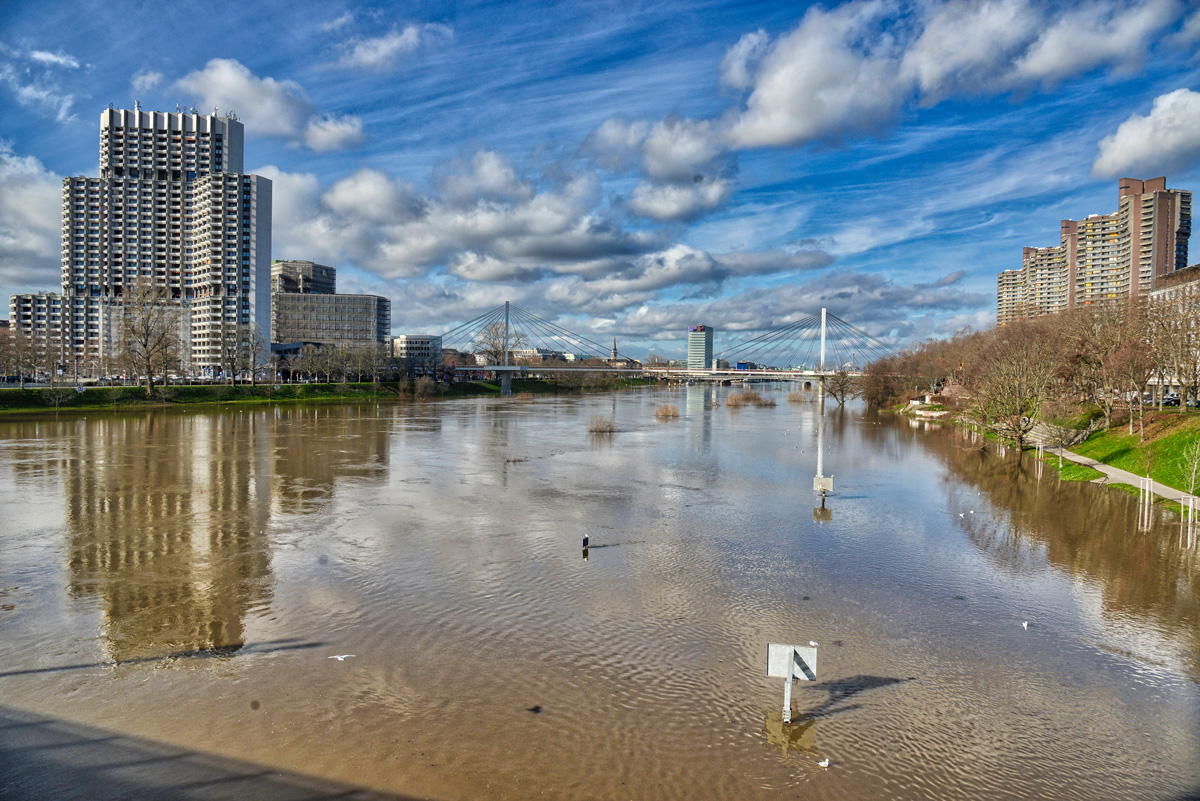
(812, 643)
(1025, 624)
(341, 657)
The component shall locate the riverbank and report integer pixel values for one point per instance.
(51, 400)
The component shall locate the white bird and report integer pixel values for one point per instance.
(1025, 625)
(812, 643)
(972, 511)
(341, 657)
(824, 762)
(960, 514)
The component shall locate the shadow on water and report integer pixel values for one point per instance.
(842, 689)
(44, 757)
(198, 653)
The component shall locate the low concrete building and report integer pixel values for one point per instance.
(418, 347)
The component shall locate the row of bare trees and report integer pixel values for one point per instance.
(1051, 367)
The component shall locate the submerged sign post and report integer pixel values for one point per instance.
(789, 662)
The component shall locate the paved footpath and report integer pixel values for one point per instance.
(1116, 474)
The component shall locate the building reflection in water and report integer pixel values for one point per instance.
(166, 517)
(313, 447)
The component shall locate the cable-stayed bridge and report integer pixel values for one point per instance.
(508, 339)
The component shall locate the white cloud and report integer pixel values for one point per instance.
(269, 107)
(678, 202)
(40, 95)
(488, 176)
(337, 24)
(677, 149)
(853, 69)
(1164, 141)
(969, 46)
(30, 209)
(741, 60)
(1094, 35)
(59, 59)
(384, 52)
(333, 133)
(615, 144)
(831, 76)
(145, 80)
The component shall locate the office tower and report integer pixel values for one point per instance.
(303, 277)
(1104, 257)
(700, 347)
(171, 210)
(306, 309)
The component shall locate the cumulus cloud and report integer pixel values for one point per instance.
(677, 149)
(678, 202)
(146, 80)
(854, 69)
(333, 133)
(488, 175)
(385, 226)
(1164, 141)
(269, 107)
(615, 144)
(1094, 35)
(30, 209)
(741, 60)
(382, 53)
(831, 76)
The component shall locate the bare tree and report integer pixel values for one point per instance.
(1173, 331)
(841, 386)
(490, 342)
(1013, 378)
(1190, 464)
(149, 330)
(254, 351)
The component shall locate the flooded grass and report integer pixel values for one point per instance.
(601, 424)
(666, 412)
(748, 397)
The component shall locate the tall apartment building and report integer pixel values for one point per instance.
(305, 308)
(171, 208)
(700, 347)
(40, 317)
(1103, 257)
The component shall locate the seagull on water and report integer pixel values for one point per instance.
(341, 657)
(824, 762)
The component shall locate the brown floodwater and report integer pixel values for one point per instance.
(184, 577)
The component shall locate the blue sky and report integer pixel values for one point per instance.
(629, 169)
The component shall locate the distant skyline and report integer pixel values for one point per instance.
(629, 170)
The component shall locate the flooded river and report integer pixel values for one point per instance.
(175, 583)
